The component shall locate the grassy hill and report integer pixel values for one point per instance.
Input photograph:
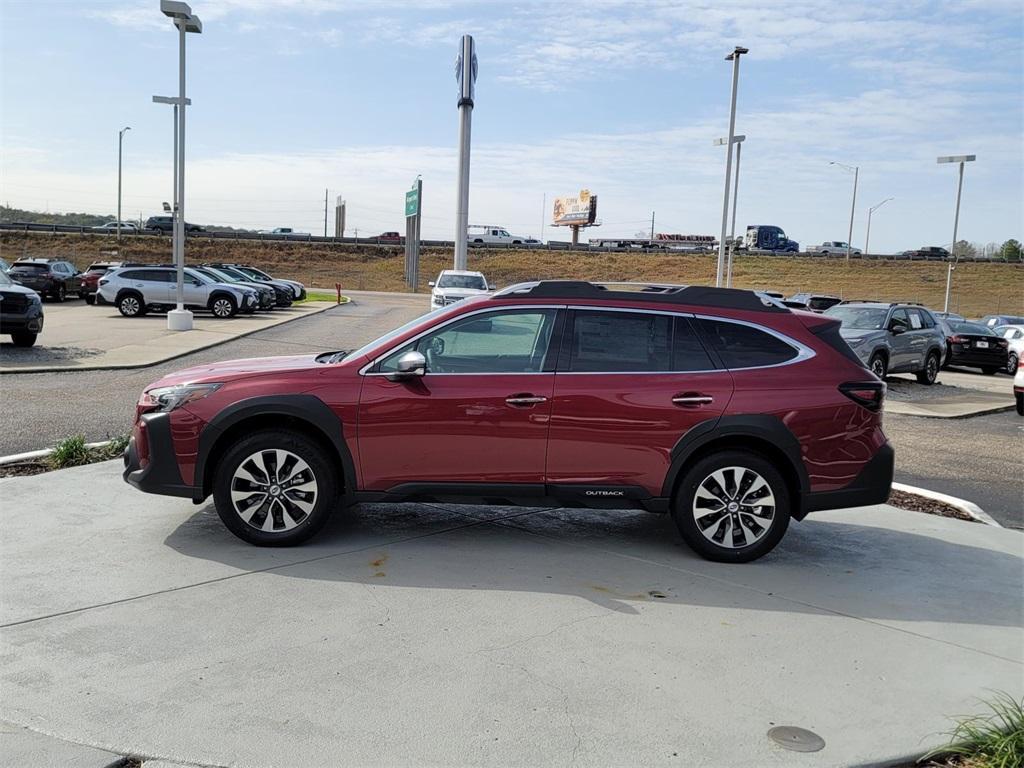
(978, 288)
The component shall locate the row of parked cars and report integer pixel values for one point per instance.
(223, 289)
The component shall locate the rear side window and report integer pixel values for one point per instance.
(617, 342)
(744, 346)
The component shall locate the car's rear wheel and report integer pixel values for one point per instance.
(275, 488)
(1011, 363)
(930, 372)
(61, 293)
(989, 370)
(131, 305)
(732, 507)
(23, 338)
(879, 365)
(223, 306)
(90, 298)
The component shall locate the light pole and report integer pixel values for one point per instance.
(180, 319)
(872, 209)
(961, 159)
(734, 57)
(738, 141)
(855, 170)
(465, 73)
(120, 141)
(173, 100)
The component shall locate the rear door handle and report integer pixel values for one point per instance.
(525, 399)
(692, 398)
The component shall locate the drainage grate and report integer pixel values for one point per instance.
(796, 739)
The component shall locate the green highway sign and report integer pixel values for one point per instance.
(412, 202)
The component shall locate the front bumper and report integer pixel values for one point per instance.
(871, 486)
(30, 321)
(149, 460)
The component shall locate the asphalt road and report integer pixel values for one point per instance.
(38, 409)
(980, 459)
(977, 459)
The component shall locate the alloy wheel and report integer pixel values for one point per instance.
(878, 367)
(734, 507)
(932, 367)
(273, 490)
(222, 308)
(130, 306)
(1011, 363)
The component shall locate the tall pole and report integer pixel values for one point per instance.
(543, 213)
(952, 250)
(871, 210)
(466, 75)
(652, 226)
(325, 212)
(853, 207)
(732, 227)
(120, 141)
(735, 58)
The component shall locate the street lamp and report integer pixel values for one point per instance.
(734, 57)
(961, 159)
(180, 319)
(738, 141)
(120, 140)
(855, 170)
(173, 100)
(872, 209)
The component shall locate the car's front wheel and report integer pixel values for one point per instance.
(61, 293)
(1011, 363)
(732, 507)
(275, 488)
(223, 306)
(131, 305)
(23, 338)
(930, 372)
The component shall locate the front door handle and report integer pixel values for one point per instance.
(525, 399)
(692, 398)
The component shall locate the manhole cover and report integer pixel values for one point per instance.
(796, 739)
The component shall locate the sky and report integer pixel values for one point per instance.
(358, 97)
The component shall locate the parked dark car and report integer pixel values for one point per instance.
(21, 312)
(814, 302)
(93, 273)
(718, 406)
(929, 252)
(389, 237)
(991, 321)
(48, 277)
(166, 224)
(267, 295)
(976, 346)
(284, 294)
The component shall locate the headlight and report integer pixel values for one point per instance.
(439, 299)
(34, 298)
(171, 398)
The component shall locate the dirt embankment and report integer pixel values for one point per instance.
(978, 288)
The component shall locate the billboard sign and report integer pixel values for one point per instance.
(579, 210)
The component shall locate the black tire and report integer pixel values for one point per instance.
(238, 461)
(1011, 363)
(61, 293)
(1020, 403)
(90, 299)
(879, 365)
(131, 304)
(23, 338)
(989, 370)
(223, 306)
(930, 372)
(724, 525)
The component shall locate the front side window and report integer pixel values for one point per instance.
(744, 346)
(514, 341)
(900, 319)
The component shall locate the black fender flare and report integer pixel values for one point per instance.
(307, 408)
(763, 427)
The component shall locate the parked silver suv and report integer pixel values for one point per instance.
(137, 290)
(892, 338)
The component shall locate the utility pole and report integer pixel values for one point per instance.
(465, 73)
(543, 213)
(652, 226)
(120, 140)
(325, 211)
(734, 57)
(960, 159)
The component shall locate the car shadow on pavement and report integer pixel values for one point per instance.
(617, 559)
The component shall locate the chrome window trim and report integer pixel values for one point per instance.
(499, 308)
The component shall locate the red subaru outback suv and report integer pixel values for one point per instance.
(720, 406)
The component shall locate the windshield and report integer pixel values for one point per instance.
(972, 328)
(475, 282)
(30, 268)
(252, 272)
(437, 314)
(233, 273)
(200, 276)
(859, 318)
(222, 275)
(4, 279)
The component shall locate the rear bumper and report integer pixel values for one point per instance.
(871, 486)
(994, 358)
(157, 470)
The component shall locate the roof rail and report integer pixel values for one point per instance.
(728, 298)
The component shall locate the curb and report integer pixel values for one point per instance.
(15, 458)
(130, 366)
(969, 508)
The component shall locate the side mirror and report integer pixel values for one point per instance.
(492, 287)
(410, 365)
(897, 330)
(430, 284)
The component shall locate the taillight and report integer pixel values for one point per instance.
(1002, 343)
(959, 340)
(868, 394)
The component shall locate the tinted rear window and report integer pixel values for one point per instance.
(744, 346)
(26, 268)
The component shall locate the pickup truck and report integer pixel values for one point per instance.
(928, 252)
(831, 246)
(480, 234)
(288, 232)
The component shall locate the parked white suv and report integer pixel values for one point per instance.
(137, 290)
(454, 285)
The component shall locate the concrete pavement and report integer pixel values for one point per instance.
(443, 634)
(79, 337)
